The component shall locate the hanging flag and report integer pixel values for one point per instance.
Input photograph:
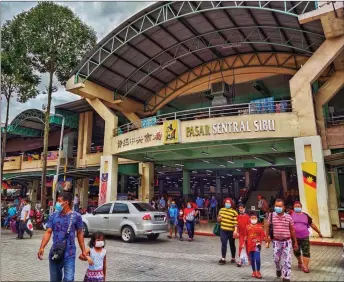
(309, 171)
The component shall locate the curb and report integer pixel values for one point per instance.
(316, 243)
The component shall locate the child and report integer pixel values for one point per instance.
(96, 257)
(173, 219)
(180, 225)
(254, 238)
(243, 222)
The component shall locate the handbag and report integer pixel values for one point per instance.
(243, 259)
(271, 228)
(58, 252)
(216, 230)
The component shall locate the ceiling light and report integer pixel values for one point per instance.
(229, 174)
(253, 168)
(257, 158)
(238, 169)
(148, 158)
(161, 172)
(291, 158)
(205, 179)
(167, 177)
(208, 170)
(222, 165)
(179, 164)
(273, 148)
(205, 161)
(163, 166)
(222, 176)
(273, 168)
(194, 171)
(205, 153)
(231, 162)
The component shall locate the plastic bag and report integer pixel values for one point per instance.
(243, 259)
(29, 225)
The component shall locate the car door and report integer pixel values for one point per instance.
(99, 220)
(120, 212)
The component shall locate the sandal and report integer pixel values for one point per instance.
(299, 265)
(305, 269)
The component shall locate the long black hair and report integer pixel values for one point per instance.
(94, 237)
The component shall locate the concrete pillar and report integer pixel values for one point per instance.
(236, 189)
(333, 200)
(68, 143)
(284, 181)
(313, 188)
(82, 189)
(80, 150)
(88, 124)
(247, 179)
(33, 191)
(186, 184)
(300, 84)
(146, 188)
(218, 186)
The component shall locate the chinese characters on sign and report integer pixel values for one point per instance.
(139, 139)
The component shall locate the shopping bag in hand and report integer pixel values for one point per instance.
(216, 229)
(243, 257)
(29, 225)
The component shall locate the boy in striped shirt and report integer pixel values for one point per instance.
(282, 236)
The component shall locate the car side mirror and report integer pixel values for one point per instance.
(94, 212)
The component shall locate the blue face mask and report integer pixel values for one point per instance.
(297, 209)
(58, 207)
(278, 209)
(173, 205)
(189, 206)
(228, 206)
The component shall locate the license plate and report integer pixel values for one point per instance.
(159, 218)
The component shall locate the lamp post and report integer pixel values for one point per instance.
(58, 163)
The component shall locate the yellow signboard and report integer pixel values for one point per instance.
(172, 131)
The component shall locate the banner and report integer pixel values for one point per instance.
(309, 171)
(264, 105)
(104, 184)
(172, 131)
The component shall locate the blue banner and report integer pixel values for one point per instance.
(148, 122)
(264, 105)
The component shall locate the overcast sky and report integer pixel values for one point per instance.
(102, 16)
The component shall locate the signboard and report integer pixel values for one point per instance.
(137, 140)
(172, 132)
(249, 165)
(147, 122)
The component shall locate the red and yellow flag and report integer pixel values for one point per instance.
(309, 171)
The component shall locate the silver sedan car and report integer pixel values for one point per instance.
(126, 218)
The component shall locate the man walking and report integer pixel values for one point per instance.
(24, 217)
(63, 224)
(281, 232)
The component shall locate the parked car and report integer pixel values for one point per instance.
(127, 219)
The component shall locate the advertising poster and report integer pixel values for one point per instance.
(172, 131)
(103, 186)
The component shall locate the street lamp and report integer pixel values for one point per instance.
(58, 162)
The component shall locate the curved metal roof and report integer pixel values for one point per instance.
(146, 52)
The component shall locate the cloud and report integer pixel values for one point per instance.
(102, 16)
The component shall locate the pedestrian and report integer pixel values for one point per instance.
(76, 203)
(10, 213)
(254, 240)
(162, 204)
(213, 206)
(189, 219)
(302, 223)
(24, 217)
(63, 224)
(243, 222)
(180, 225)
(228, 219)
(199, 202)
(96, 258)
(281, 232)
(173, 219)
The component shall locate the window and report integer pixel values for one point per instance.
(143, 207)
(120, 208)
(104, 209)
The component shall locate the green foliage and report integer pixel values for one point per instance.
(56, 39)
(17, 75)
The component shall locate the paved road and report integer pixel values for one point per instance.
(163, 260)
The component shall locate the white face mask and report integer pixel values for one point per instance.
(99, 244)
(254, 221)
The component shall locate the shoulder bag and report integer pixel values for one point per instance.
(58, 252)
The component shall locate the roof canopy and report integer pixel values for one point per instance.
(155, 46)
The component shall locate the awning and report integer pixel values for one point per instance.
(335, 159)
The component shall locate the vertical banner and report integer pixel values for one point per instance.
(104, 183)
(172, 131)
(309, 172)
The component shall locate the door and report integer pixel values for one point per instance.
(120, 212)
(99, 220)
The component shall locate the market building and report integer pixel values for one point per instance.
(216, 98)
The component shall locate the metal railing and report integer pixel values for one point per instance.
(335, 120)
(212, 112)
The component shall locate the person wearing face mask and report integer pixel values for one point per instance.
(63, 224)
(243, 222)
(96, 258)
(254, 240)
(173, 219)
(189, 219)
(282, 233)
(302, 223)
(213, 206)
(228, 230)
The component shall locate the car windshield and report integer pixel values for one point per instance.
(143, 207)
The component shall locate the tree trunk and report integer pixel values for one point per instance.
(46, 144)
(3, 149)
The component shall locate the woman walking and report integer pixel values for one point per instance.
(189, 218)
(302, 222)
(228, 230)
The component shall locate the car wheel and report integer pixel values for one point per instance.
(85, 230)
(128, 234)
(152, 237)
